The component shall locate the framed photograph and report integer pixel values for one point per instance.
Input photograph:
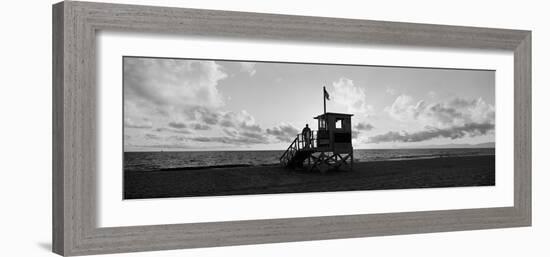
(183, 128)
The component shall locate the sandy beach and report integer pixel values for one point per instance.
(402, 174)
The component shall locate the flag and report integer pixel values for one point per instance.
(326, 94)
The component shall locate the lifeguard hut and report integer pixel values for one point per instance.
(329, 147)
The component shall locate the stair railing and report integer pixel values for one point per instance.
(290, 151)
(298, 144)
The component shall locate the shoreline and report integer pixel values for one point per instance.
(372, 175)
(279, 150)
(223, 166)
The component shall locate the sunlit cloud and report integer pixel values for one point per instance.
(349, 96)
(283, 132)
(454, 132)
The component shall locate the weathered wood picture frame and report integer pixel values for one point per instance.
(75, 24)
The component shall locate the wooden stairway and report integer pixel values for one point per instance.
(298, 151)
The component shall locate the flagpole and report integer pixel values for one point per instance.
(324, 102)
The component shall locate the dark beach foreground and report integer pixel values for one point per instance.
(403, 174)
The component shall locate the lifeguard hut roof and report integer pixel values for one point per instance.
(333, 114)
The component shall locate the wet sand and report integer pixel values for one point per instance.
(403, 174)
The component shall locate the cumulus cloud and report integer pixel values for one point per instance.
(351, 97)
(168, 91)
(227, 124)
(230, 132)
(456, 112)
(240, 128)
(177, 125)
(363, 126)
(248, 67)
(198, 126)
(184, 95)
(245, 135)
(241, 120)
(251, 127)
(152, 136)
(404, 108)
(257, 136)
(453, 119)
(245, 139)
(140, 124)
(210, 116)
(173, 82)
(453, 132)
(359, 128)
(173, 130)
(283, 132)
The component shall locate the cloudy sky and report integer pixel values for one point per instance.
(177, 104)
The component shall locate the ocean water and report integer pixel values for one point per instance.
(151, 161)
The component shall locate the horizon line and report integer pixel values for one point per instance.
(271, 150)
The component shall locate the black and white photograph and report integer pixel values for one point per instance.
(205, 127)
(146, 128)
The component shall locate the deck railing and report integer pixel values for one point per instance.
(299, 143)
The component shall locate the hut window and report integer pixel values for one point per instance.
(338, 123)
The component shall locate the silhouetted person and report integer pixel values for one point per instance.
(306, 135)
